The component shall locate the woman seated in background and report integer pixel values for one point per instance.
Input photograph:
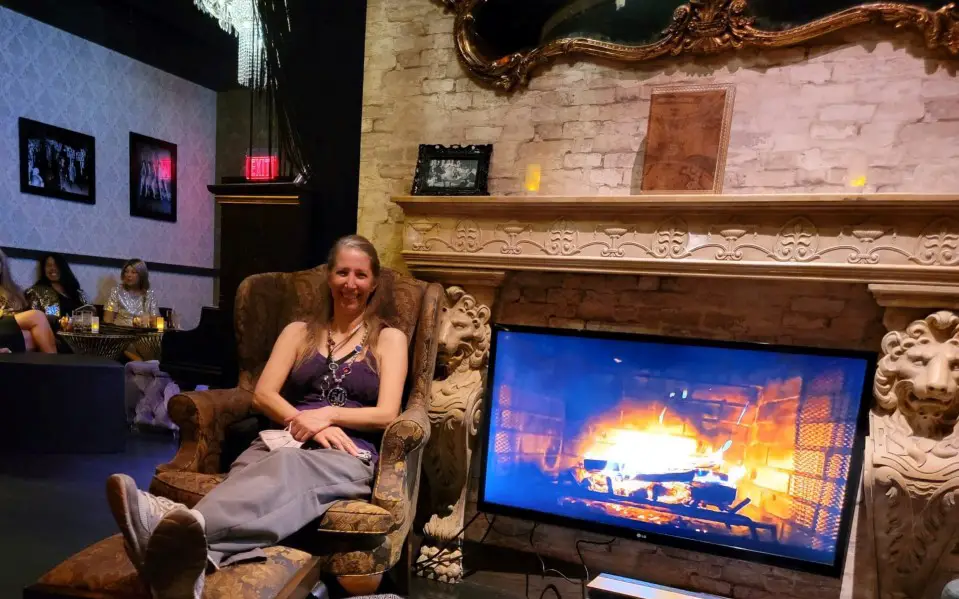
(56, 286)
(132, 302)
(21, 329)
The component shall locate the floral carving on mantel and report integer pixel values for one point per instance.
(615, 233)
(419, 229)
(512, 230)
(671, 239)
(467, 237)
(867, 234)
(563, 239)
(939, 244)
(798, 241)
(732, 233)
(899, 240)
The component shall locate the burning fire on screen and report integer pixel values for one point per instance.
(765, 464)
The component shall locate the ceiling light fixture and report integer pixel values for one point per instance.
(240, 18)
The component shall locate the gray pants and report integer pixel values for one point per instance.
(269, 495)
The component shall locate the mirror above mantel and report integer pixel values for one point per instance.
(503, 42)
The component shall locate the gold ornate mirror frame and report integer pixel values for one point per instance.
(700, 27)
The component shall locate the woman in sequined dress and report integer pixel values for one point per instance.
(336, 382)
(56, 286)
(132, 303)
(21, 329)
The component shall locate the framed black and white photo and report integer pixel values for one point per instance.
(452, 170)
(56, 162)
(152, 178)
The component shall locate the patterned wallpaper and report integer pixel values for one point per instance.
(57, 78)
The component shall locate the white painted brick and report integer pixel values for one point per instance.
(832, 131)
(620, 160)
(860, 113)
(582, 160)
(809, 73)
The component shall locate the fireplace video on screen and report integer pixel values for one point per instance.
(743, 447)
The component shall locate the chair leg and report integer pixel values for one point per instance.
(401, 572)
(360, 585)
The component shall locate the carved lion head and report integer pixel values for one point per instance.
(464, 331)
(919, 374)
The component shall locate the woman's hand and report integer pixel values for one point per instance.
(5, 350)
(306, 424)
(333, 437)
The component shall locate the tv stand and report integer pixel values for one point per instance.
(608, 586)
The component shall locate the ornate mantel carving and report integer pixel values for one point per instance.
(882, 238)
(455, 402)
(912, 456)
(906, 247)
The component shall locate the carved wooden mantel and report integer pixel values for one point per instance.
(905, 247)
(882, 238)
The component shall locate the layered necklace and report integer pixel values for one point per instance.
(331, 387)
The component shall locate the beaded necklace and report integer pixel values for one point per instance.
(331, 387)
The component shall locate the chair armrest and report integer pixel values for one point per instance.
(203, 418)
(399, 467)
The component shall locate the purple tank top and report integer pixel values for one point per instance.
(362, 387)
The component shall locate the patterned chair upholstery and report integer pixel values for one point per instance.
(103, 571)
(354, 538)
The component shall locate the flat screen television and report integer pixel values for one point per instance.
(747, 450)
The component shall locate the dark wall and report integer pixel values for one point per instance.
(171, 35)
(329, 88)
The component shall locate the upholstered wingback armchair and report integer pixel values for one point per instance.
(355, 538)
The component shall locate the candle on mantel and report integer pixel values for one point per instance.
(161, 326)
(534, 173)
(95, 324)
(857, 171)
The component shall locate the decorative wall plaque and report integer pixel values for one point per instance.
(688, 137)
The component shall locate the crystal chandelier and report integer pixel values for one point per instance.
(240, 18)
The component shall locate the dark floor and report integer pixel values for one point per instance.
(53, 506)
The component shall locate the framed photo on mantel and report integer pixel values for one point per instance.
(687, 138)
(452, 170)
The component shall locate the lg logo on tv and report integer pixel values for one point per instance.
(640, 536)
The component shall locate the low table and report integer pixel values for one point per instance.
(112, 342)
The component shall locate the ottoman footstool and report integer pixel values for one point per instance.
(103, 571)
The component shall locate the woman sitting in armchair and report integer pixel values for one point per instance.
(21, 329)
(342, 375)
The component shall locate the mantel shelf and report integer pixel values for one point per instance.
(526, 205)
(898, 239)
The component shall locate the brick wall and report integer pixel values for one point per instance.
(803, 119)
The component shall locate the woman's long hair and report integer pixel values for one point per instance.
(380, 309)
(143, 275)
(9, 291)
(67, 279)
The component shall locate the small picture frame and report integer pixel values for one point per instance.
(153, 167)
(688, 138)
(57, 163)
(452, 170)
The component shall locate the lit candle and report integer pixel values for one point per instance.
(160, 324)
(533, 175)
(95, 324)
(857, 171)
